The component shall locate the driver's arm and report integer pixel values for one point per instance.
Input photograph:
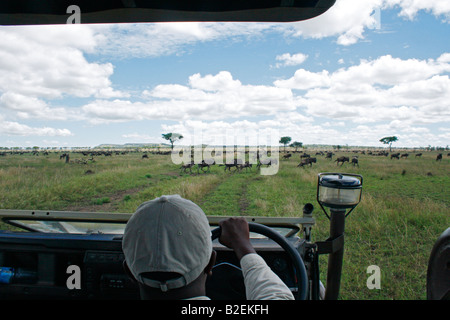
(261, 282)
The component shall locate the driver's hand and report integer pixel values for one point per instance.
(235, 235)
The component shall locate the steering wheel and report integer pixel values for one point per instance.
(302, 278)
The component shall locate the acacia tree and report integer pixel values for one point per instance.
(296, 145)
(285, 141)
(172, 137)
(389, 140)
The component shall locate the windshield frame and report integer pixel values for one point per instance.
(19, 218)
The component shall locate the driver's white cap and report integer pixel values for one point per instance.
(167, 234)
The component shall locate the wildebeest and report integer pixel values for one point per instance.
(234, 164)
(329, 155)
(186, 166)
(287, 156)
(246, 165)
(418, 155)
(355, 161)
(439, 157)
(65, 155)
(305, 155)
(266, 162)
(206, 164)
(342, 159)
(395, 155)
(307, 161)
(404, 155)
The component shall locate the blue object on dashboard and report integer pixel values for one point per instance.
(6, 275)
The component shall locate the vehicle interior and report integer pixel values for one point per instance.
(53, 241)
(36, 260)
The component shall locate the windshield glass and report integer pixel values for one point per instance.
(69, 227)
(235, 116)
(102, 227)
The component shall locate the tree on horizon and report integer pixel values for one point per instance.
(389, 140)
(172, 137)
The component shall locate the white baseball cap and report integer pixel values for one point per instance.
(167, 234)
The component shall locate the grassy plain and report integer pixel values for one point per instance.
(404, 208)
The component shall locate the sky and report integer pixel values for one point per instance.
(361, 71)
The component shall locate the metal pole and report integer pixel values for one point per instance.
(337, 226)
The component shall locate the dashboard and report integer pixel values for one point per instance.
(90, 266)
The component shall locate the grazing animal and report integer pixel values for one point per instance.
(395, 155)
(418, 155)
(204, 164)
(246, 165)
(439, 157)
(329, 155)
(342, 159)
(235, 164)
(144, 156)
(404, 155)
(305, 155)
(307, 161)
(186, 166)
(267, 162)
(355, 161)
(65, 155)
(287, 156)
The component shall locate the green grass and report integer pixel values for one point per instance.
(404, 207)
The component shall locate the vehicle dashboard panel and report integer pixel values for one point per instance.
(41, 264)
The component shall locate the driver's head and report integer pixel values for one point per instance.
(167, 236)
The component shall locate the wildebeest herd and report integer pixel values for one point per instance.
(306, 160)
(239, 164)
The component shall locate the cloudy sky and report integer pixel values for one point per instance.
(361, 71)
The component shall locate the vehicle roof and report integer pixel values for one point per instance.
(29, 12)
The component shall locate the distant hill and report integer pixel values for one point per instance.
(132, 145)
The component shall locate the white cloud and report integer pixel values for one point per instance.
(290, 60)
(304, 80)
(139, 137)
(223, 81)
(378, 90)
(28, 107)
(347, 20)
(42, 64)
(48, 62)
(17, 129)
(410, 8)
(386, 94)
(264, 132)
(209, 97)
(159, 39)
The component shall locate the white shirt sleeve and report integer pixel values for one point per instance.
(261, 283)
